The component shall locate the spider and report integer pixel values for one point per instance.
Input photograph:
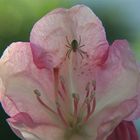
(74, 46)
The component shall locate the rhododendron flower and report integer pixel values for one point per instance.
(68, 83)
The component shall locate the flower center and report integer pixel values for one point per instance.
(78, 115)
(80, 109)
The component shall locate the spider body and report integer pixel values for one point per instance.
(74, 46)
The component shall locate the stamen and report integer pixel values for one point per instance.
(89, 101)
(87, 89)
(93, 106)
(92, 96)
(83, 110)
(88, 105)
(61, 114)
(87, 95)
(60, 94)
(88, 111)
(94, 84)
(56, 73)
(62, 84)
(38, 94)
(87, 86)
(76, 101)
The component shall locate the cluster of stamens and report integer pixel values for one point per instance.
(82, 110)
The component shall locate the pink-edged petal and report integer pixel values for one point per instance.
(40, 131)
(104, 122)
(136, 113)
(53, 32)
(24, 117)
(31, 130)
(118, 79)
(124, 131)
(111, 117)
(20, 78)
(116, 88)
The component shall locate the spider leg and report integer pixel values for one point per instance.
(81, 46)
(80, 52)
(68, 41)
(68, 53)
(67, 46)
(79, 40)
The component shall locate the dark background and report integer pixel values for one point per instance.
(120, 18)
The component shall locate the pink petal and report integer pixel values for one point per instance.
(111, 117)
(30, 130)
(118, 79)
(48, 36)
(117, 82)
(104, 122)
(124, 131)
(19, 78)
(79, 74)
(136, 113)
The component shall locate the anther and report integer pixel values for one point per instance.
(37, 92)
(38, 95)
(57, 104)
(75, 96)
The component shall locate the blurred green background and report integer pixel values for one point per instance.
(120, 18)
